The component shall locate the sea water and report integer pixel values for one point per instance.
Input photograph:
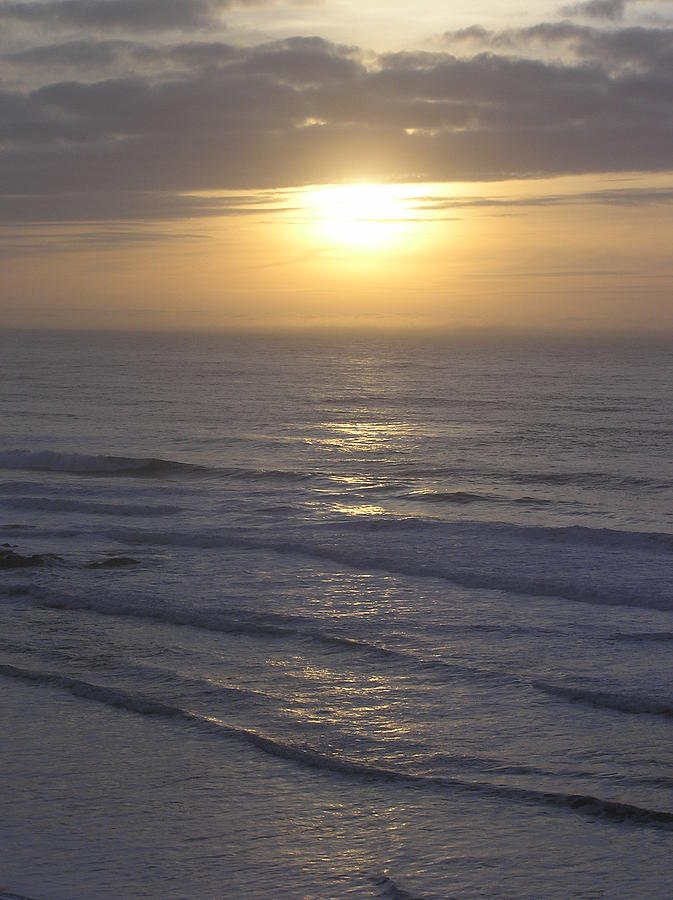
(335, 616)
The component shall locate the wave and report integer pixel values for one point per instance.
(132, 466)
(114, 562)
(85, 464)
(625, 703)
(15, 590)
(465, 498)
(584, 479)
(609, 480)
(391, 526)
(246, 622)
(575, 563)
(646, 636)
(58, 505)
(390, 890)
(593, 807)
(75, 463)
(4, 895)
(458, 497)
(243, 474)
(36, 531)
(11, 560)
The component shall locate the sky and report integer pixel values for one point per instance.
(214, 164)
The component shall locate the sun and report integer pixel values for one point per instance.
(364, 216)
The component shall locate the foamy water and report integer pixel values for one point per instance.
(336, 617)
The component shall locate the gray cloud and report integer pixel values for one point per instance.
(206, 115)
(648, 49)
(74, 54)
(135, 206)
(605, 10)
(635, 196)
(597, 9)
(137, 15)
(299, 60)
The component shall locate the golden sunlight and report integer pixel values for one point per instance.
(364, 216)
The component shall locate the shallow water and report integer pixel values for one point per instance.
(370, 617)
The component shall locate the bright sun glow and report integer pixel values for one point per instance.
(366, 216)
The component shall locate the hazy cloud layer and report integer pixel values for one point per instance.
(98, 125)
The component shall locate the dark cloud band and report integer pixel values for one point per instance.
(163, 118)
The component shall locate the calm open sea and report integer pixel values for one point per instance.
(372, 617)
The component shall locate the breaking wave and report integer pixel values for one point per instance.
(633, 569)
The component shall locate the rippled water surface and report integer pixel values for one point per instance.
(329, 617)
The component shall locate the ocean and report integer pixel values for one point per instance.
(325, 616)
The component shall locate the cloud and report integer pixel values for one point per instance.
(603, 10)
(635, 196)
(597, 9)
(74, 54)
(647, 49)
(165, 119)
(30, 240)
(135, 15)
(137, 206)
